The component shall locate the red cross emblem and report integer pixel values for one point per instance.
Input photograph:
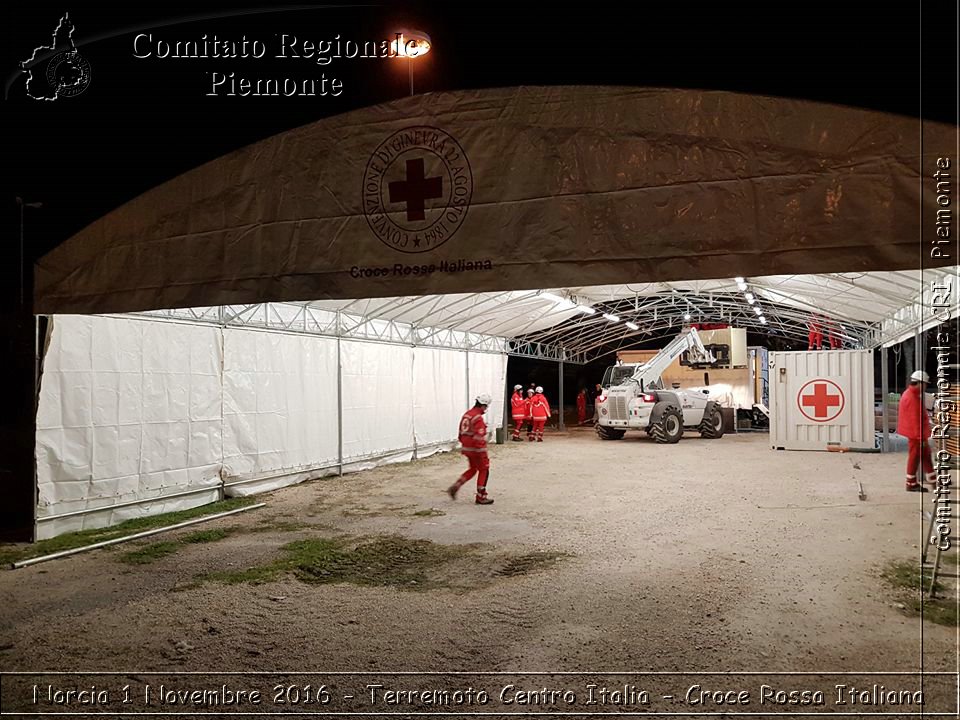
(416, 189)
(821, 400)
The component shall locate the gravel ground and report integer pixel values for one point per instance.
(705, 556)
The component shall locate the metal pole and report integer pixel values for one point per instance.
(410, 71)
(339, 401)
(918, 350)
(135, 536)
(466, 354)
(884, 391)
(561, 425)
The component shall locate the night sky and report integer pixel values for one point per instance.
(144, 121)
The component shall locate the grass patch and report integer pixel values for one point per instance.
(12, 553)
(911, 587)
(388, 561)
(205, 536)
(149, 553)
(528, 563)
(906, 575)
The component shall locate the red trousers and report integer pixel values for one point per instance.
(518, 421)
(814, 340)
(479, 466)
(919, 454)
(538, 424)
(581, 415)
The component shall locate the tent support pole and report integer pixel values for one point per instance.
(884, 391)
(561, 426)
(339, 401)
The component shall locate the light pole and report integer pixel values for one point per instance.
(411, 44)
(22, 205)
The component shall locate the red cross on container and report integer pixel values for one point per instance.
(415, 189)
(821, 397)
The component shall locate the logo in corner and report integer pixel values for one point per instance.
(417, 189)
(67, 71)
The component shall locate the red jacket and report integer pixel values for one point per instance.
(582, 401)
(519, 406)
(473, 431)
(527, 406)
(912, 419)
(540, 407)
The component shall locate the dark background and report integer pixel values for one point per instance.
(142, 122)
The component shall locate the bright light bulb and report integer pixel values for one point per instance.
(763, 320)
(750, 298)
(611, 318)
(738, 280)
(586, 310)
(632, 326)
(758, 311)
(687, 316)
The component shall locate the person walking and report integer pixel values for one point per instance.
(582, 406)
(473, 442)
(541, 411)
(914, 424)
(518, 409)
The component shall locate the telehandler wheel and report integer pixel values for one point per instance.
(669, 428)
(711, 427)
(608, 433)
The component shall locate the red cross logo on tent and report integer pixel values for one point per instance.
(821, 400)
(416, 189)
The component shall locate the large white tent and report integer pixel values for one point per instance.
(282, 313)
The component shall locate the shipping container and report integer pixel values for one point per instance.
(821, 398)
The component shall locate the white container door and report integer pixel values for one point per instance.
(821, 398)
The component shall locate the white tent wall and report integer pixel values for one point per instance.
(488, 374)
(279, 408)
(440, 397)
(129, 410)
(139, 416)
(377, 401)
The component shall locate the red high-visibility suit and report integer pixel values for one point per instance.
(540, 409)
(833, 337)
(582, 407)
(473, 439)
(815, 337)
(914, 424)
(528, 418)
(518, 408)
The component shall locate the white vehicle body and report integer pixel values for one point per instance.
(640, 402)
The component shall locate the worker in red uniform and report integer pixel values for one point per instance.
(833, 336)
(473, 442)
(914, 424)
(582, 406)
(518, 408)
(528, 409)
(540, 409)
(815, 336)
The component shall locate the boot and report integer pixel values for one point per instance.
(484, 500)
(917, 487)
(452, 491)
(517, 438)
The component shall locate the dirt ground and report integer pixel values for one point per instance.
(705, 556)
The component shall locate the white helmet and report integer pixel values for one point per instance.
(920, 376)
(483, 399)
(518, 387)
(539, 389)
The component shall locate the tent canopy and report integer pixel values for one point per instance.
(500, 191)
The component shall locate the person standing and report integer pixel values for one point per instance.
(518, 408)
(582, 406)
(541, 411)
(528, 409)
(473, 441)
(914, 424)
(815, 336)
